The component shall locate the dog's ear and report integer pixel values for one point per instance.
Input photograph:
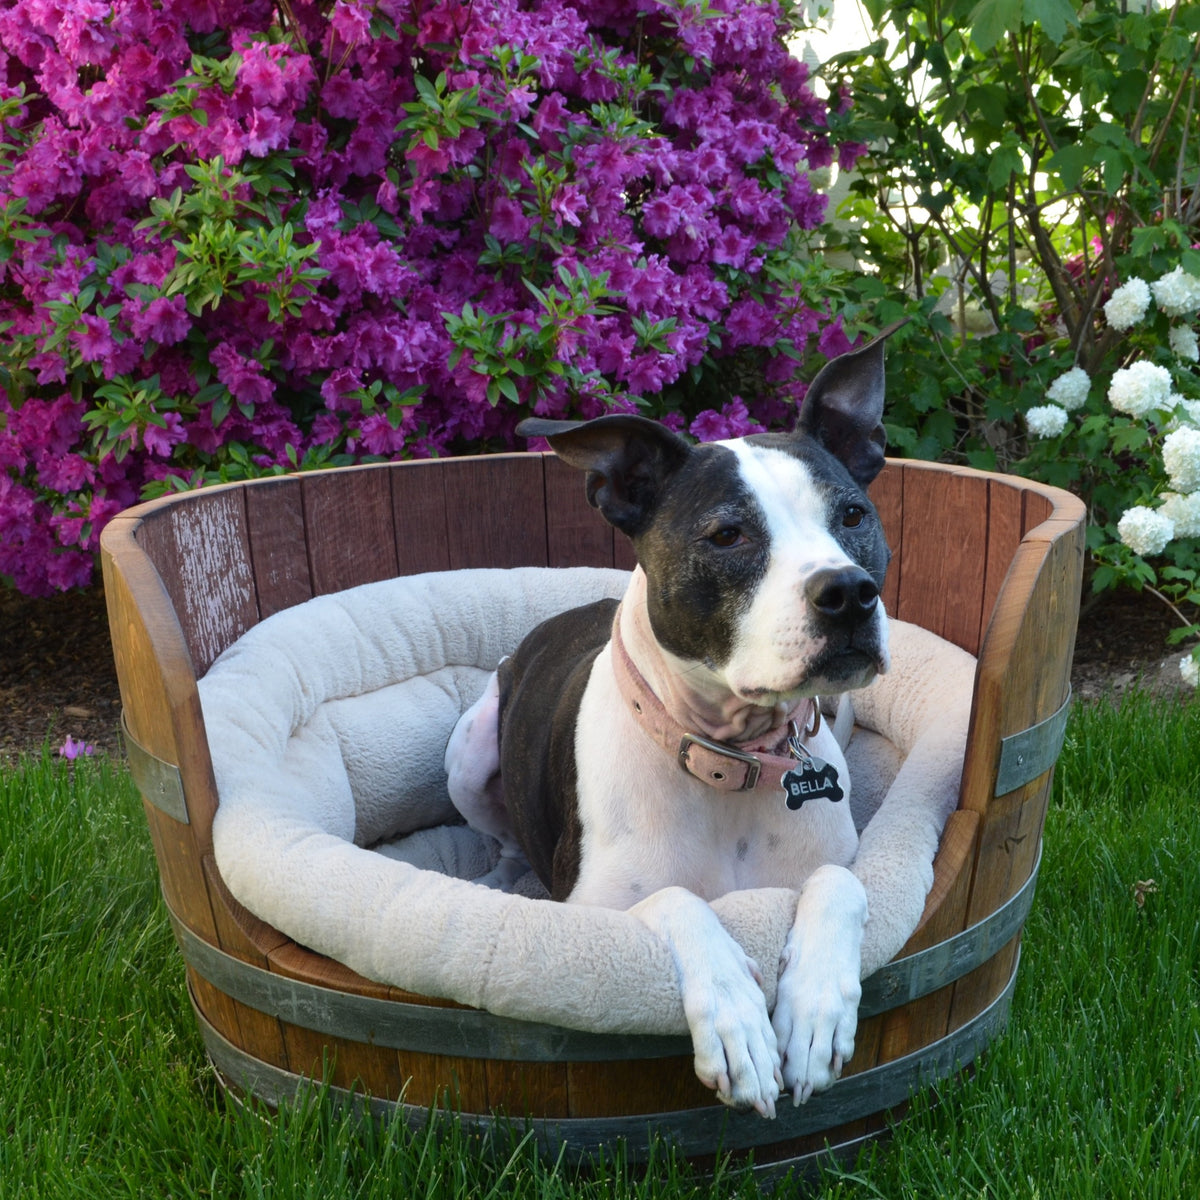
(843, 408)
(626, 457)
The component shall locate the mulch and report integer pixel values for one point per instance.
(57, 677)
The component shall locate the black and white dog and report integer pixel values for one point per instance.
(661, 752)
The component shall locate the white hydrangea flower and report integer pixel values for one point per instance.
(1145, 531)
(1183, 512)
(1128, 304)
(1189, 668)
(1184, 343)
(1181, 457)
(1177, 293)
(1048, 420)
(1185, 414)
(1071, 389)
(1139, 389)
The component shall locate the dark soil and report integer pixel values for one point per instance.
(57, 678)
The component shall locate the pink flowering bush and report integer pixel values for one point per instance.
(239, 238)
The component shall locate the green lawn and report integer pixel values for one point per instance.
(1094, 1091)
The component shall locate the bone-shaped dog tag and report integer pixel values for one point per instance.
(812, 778)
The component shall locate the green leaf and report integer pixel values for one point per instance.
(989, 100)
(1146, 239)
(1052, 15)
(1004, 164)
(990, 20)
(1069, 163)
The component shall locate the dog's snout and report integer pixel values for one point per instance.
(842, 593)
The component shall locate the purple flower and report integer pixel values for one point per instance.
(669, 238)
(162, 439)
(731, 247)
(567, 203)
(71, 749)
(242, 376)
(509, 222)
(833, 340)
(94, 341)
(732, 421)
(751, 324)
(164, 320)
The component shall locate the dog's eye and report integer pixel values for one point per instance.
(852, 518)
(726, 536)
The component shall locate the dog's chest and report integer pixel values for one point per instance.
(646, 824)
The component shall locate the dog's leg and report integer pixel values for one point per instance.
(723, 1001)
(816, 1008)
(473, 781)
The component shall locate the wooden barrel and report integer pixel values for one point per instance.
(992, 563)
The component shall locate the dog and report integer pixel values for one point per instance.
(656, 753)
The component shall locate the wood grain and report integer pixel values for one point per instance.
(576, 534)
(496, 511)
(278, 543)
(348, 523)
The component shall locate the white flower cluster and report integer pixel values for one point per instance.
(1144, 389)
(1140, 389)
(1189, 668)
(1048, 420)
(1146, 531)
(1177, 294)
(1183, 512)
(1128, 304)
(1181, 457)
(1184, 343)
(1070, 390)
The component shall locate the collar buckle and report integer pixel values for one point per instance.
(717, 773)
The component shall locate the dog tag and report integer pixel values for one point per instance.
(812, 778)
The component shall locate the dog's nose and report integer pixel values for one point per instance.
(842, 593)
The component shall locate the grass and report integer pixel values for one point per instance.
(1094, 1091)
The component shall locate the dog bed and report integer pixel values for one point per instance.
(327, 724)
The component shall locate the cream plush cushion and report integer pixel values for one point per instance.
(327, 725)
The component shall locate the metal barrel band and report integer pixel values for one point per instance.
(473, 1033)
(1032, 752)
(158, 780)
(694, 1131)
(917, 975)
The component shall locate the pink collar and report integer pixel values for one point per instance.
(719, 764)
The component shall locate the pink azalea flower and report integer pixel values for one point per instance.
(94, 341)
(164, 320)
(676, 225)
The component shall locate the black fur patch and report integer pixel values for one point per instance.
(541, 687)
(697, 590)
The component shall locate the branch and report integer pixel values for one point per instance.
(1170, 604)
(1167, 122)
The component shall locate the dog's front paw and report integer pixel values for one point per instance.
(815, 1020)
(736, 1052)
(816, 1005)
(721, 987)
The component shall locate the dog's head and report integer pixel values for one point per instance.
(763, 556)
